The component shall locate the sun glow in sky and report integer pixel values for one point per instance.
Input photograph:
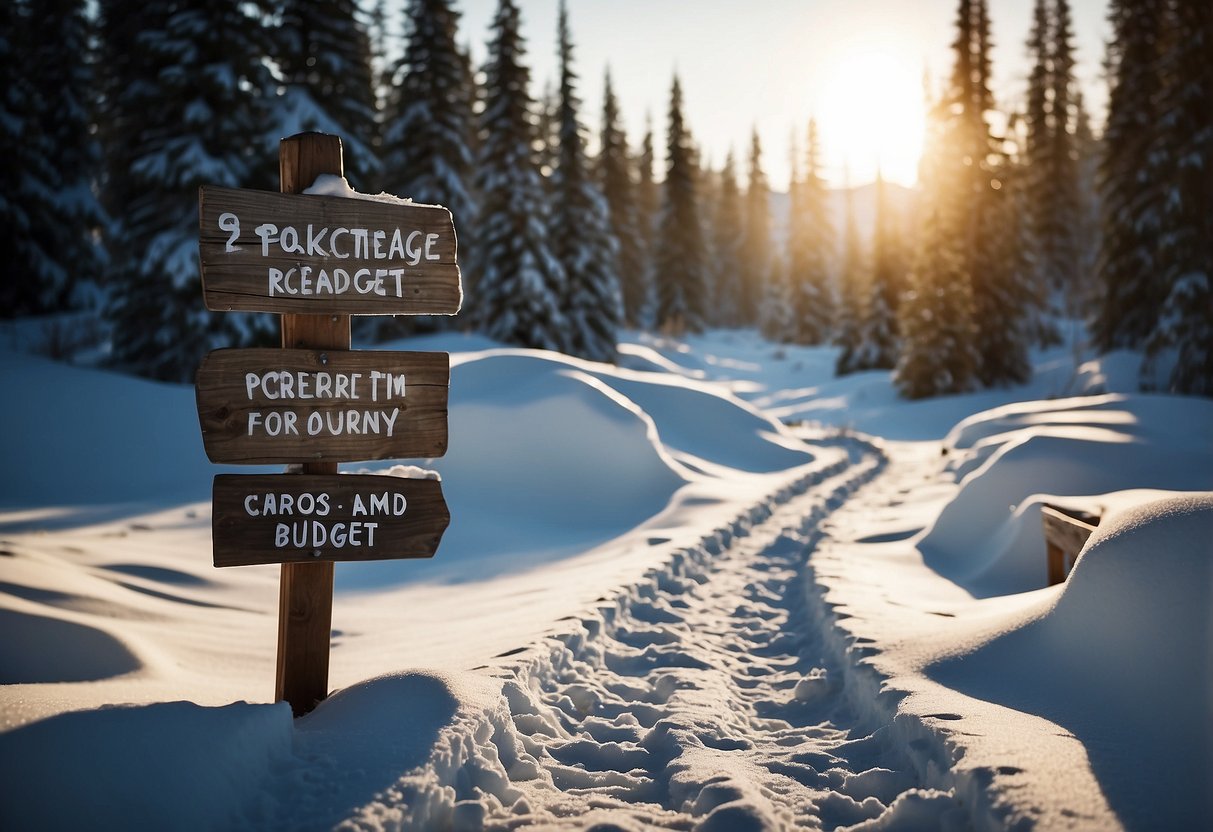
(870, 114)
(857, 66)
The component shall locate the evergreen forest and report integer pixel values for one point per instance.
(1027, 219)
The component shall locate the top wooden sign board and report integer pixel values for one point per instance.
(292, 253)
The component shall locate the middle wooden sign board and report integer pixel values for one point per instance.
(265, 406)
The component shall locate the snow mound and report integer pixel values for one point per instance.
(1012, 459)
(40, 649)
(702, 424)
(171, 765)
(544, 460)
(1134, 686)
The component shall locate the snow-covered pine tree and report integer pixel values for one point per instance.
(62, 161)
(777, 315)
(615, 176)
(580, 227)
(1087, 148)
(324, 54)
(22, 169)
(937, 319)
(429, 122)
(707, 190)
(728, 231)
(1185, 252)
(878, 350)
(185, 107)
(756, 247)
(1051, 157)
(427, 133)
(810, 241)
(518, 281)
(937, 357)
(851, 298)
(547, 130)
(1131, 197)
(18, 291)
(999, 337)
(679, 257)
(648, 216)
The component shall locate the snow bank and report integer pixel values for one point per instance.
(172, 765)
(710, 426)
(1075, 451)
(412, 750)
(1121, 660)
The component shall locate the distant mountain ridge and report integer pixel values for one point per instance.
(900, 197)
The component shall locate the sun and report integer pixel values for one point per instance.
(871, 116)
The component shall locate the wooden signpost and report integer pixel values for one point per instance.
(317, 260)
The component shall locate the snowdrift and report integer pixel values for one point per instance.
(1070, 451)
(85, 437)
(1120, 658)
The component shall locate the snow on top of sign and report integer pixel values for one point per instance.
(327, 184)
(408, 472)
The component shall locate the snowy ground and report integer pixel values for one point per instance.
(657, 606)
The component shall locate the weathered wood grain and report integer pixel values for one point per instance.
(310, 518)
(1065, 536)
(238, 280)
(234, 422)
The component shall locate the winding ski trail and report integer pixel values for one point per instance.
(707, 696)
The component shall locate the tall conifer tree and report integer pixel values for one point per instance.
(62, 159)
(937, 314)
(648, 215)
(429, 123)
(19, 293)
(1000, 339)
(728, 231)
(581, 235)
(756, 256)
(186, 102)
(1131, 196)
(615, 174)
(428, 132)
(810, 241)
(679, 258)
(879, 326)
(519, 281)
(1186, 247)
(324, 52)
(851, 298)
(777, 315)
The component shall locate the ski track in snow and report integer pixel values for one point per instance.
(706, 696)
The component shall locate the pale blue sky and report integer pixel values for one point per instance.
(772, 63)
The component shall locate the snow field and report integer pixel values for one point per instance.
(888, 681)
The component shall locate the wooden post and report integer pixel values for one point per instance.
(305, 599)
(1066, 532)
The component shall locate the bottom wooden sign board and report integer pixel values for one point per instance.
(296, 518)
